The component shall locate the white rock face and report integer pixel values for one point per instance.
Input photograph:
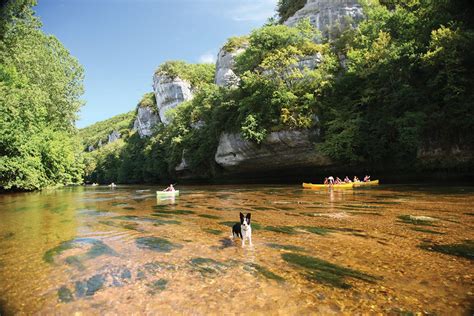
(115, 135)
(285, 149)
(327, 14)
(145, 120)
(225, 75)
(169, 92)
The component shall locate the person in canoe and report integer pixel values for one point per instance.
(338, 180)
(347, 180)
(356, 179)
(170, 188)
(326, 181)
(366, 178)
(331, 180)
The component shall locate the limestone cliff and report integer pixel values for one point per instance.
(169, 92)
(145, 120)
(284, 149)
(329, 15)
(225, 75)
(115, 135)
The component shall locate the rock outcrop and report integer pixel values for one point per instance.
(225, 75)
(328, 15)
(145, 120)
(115, 135)
(169, 92)
(284, 149)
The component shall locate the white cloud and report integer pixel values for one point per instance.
(207, 58)
(253, 10)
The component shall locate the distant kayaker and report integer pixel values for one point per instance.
(366, 178)
(169, 189)
(347, 180)
(331, 179)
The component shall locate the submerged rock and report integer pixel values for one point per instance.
(279, 150)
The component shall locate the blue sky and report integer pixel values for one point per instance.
(121, 42)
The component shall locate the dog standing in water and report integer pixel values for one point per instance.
(243, 229)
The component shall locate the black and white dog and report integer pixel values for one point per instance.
(243, 229)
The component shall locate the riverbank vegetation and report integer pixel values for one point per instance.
(40, 89)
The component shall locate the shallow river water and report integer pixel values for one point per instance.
(95, 250)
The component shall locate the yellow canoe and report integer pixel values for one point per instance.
(327, 186)
(363, 184)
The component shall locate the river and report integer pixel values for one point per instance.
(96, 250)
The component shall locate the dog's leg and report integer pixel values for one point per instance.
(243, 241)
(250, 240)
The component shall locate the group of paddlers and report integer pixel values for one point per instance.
(331, 180)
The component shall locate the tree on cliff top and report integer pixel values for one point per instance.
(196, 74)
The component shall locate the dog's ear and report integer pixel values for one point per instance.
(248, 216)
(241, 215)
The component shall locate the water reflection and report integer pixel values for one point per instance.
(125, 250)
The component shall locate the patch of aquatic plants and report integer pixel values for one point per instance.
(156, 244)
(8, 235)
(364, 213)
(175, 212)
(161, 222)
(259, 270)
(209, 216)
(464, 249)
(325, 272)
(417, 220)
(281, 229)
(98, 248)
(156, 267)
(127, 225)
(65, 295)
(90, 286)
(316, 230)
(208, 267)
(428, 231)
(108, 277)
(286, 247)
(157, 286)
(213, 231)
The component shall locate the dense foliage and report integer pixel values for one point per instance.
(408, 86)
(99, 132)
(40, 86)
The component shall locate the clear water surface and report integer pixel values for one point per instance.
(387, 249)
